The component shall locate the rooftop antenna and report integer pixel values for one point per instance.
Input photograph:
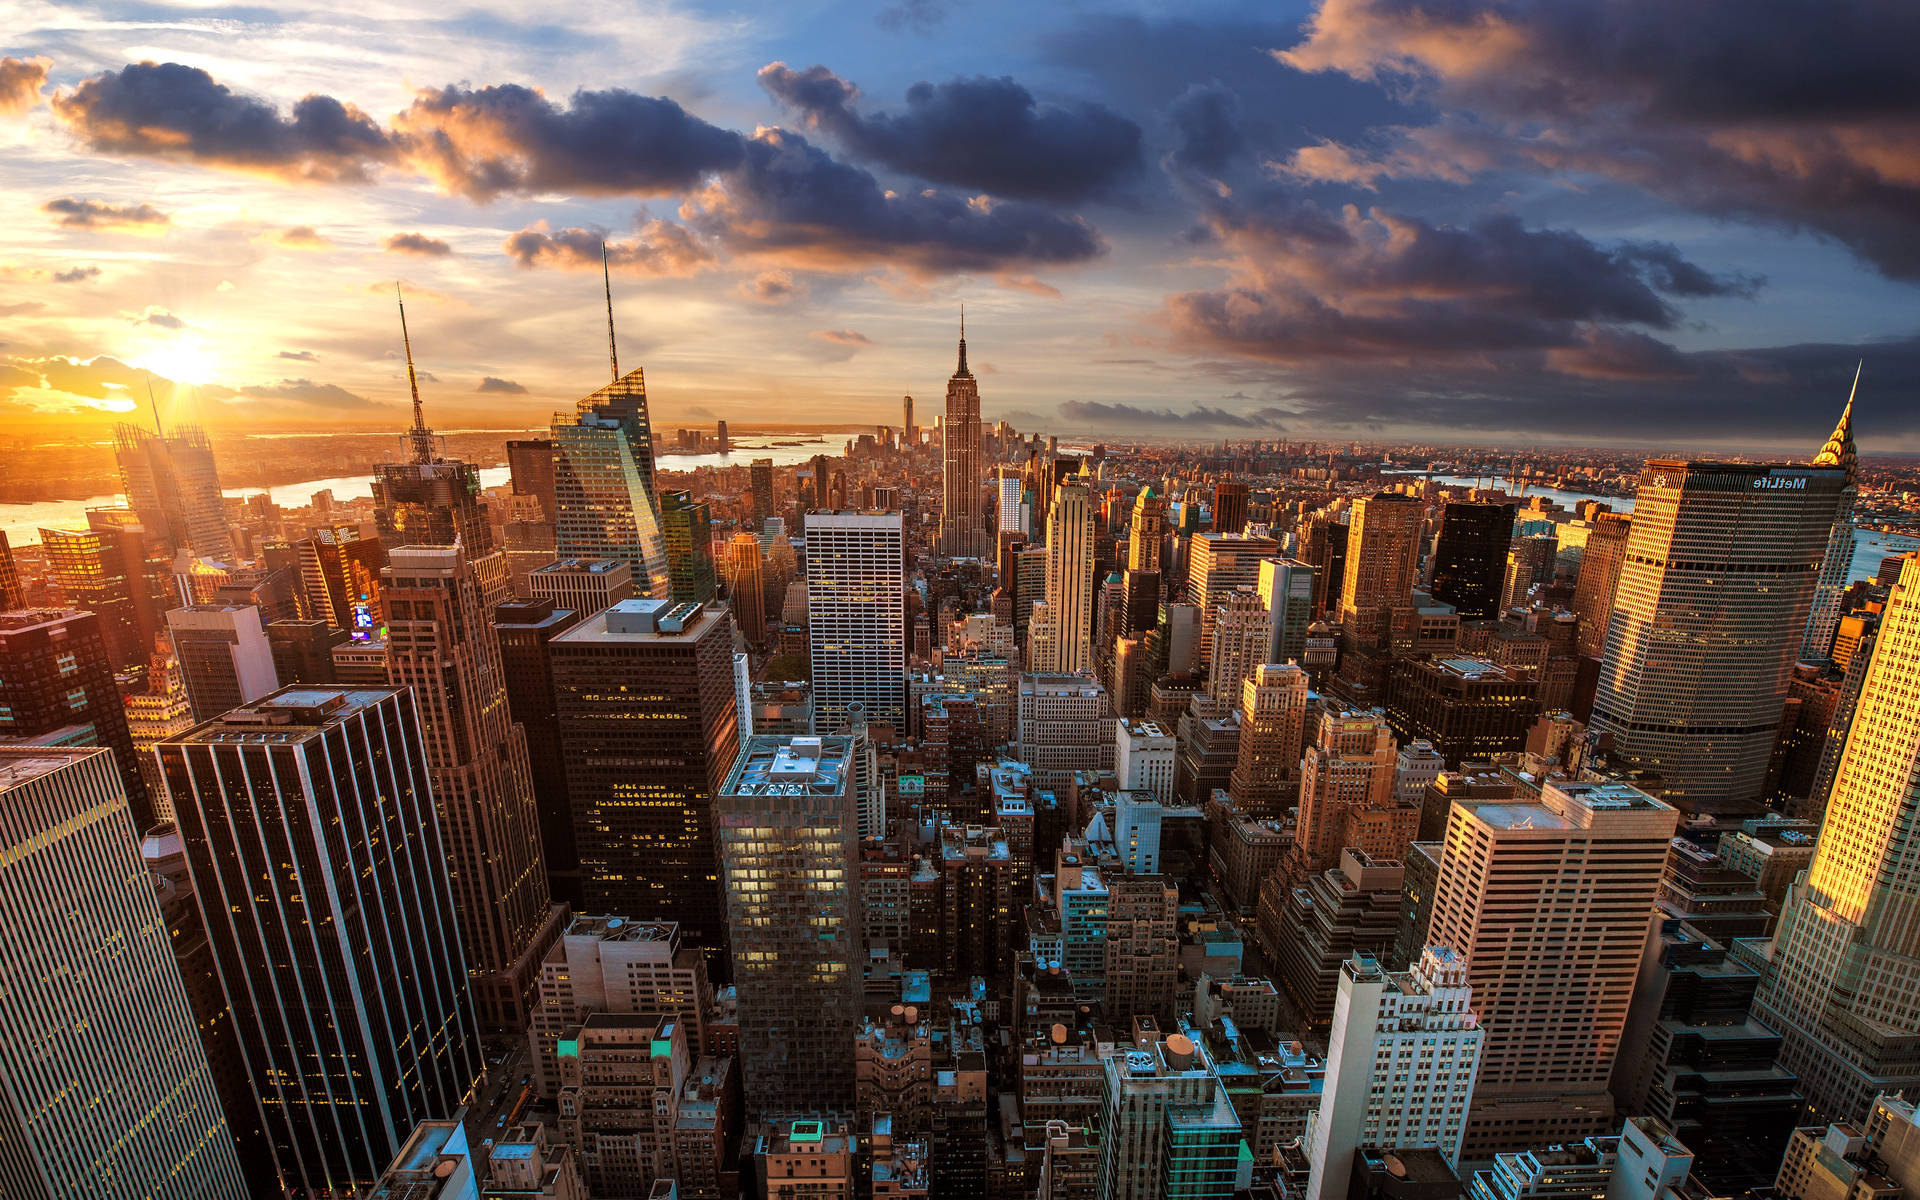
(420, 436)
(606, 277)
(160, 432)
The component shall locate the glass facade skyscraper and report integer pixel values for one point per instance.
(1715, 588)
(318, 861)
(857, 617)
(105, 1091)
(786, 822)
(604, 487)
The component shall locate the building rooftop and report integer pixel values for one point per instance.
(643, 620)
(289, 715)
(790, 766)
(586, 566)
(23, 764)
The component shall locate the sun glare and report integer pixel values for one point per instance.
(182, 362)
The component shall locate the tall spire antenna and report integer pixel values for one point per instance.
(155, 402)
(963, 341)
(606, 277)
(420, 436)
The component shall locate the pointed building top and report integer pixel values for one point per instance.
(419, 437)
(961, 371)
(606, 277)
(1839, 451)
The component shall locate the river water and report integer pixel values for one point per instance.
(22, 522)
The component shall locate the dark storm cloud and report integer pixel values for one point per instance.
(480, 142)
(1206, 120)
(20, 82)
(1781, 396)
(772, 196)
(418, 243)
(1097, 414)
(503, 387)
(1779, 113)
(661, 248)
(979, 133)
(75, 213)
(170, 111)
(1309, 285)
(792, 201)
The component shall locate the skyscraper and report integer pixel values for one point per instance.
(1148, 526)
(442, 644)
(1593, 592)
(525, 629)
(745, 586)
(316, 856)
(963, 526)
(1470, 558)
(857, 617)
(788, 830)
(105, 1089)
(1400, 1065)
(648, 729)
(1069, 580)
(911, 430)
(11, 596)
(1383, 559)
(224, 656)
(171, 483)
(433, 500)
(1273, 720)
(1548, 900)
(1834, 566)
(1347, 768)
(1219, 563)
(56, 682)
(1008, 518)
(340, 574)
(688, 527)
(96, 574)
(760, 477)
(1708, 617)
(1242, 636)
(530, 462)
(582, 585)
(1286, 588)
(603, 483)
(1844, 973)
(1229, 507)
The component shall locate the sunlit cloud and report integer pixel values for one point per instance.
(20, 82)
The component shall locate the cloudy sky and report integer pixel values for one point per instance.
(1612, 221)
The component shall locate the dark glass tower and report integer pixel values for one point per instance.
(1470, 558)
(56, 682)
(648, 727)
(316, 855)
(525, 627)
(688, 526)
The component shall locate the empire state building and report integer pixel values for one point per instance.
(963, 524)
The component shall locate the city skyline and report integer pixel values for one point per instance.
(1225, 238)
(1377, 683)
